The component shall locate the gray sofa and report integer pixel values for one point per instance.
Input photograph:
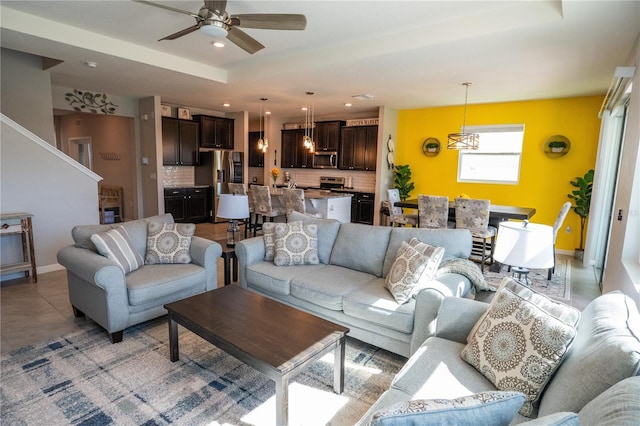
(596, 382)
(347, 286)
(99, 288)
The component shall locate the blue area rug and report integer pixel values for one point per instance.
(83, 379)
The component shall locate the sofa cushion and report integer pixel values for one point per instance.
(268, 277)
(562, 418)
(415, 263)
(373, 303)
(169, 242)
(605, 351)
(618, 405)
(137, 230)
(518, 346)
(156, 282)
(471, 410)
(296, 244)
(116, 245)
(327, 289)
(327, 232)
(361, 247)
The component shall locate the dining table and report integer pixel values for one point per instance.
(497, 213)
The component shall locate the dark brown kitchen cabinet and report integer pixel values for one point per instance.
(294, 154)
(215, 132)
(327, 135)
(179, 142)
(187, 205)
(358, 148)
(256, 156)
(365, 209)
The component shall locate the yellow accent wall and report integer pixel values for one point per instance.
(544, 181)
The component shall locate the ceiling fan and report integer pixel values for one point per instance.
(213, 20)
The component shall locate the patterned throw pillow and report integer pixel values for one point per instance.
(169, 242)
(296, 244)
(413, 266)
(116, 245)
(269, 238)
(518, 346)
(472, 410)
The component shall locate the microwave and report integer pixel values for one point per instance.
(325, 160)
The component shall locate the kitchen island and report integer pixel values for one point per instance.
(328, 205)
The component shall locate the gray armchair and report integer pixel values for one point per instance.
(99, 288)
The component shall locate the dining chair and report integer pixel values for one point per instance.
(433, 211)
(263, 206)
(397, 216)
(239, 189)
(564, 210)
(293, 200)
(473, 214)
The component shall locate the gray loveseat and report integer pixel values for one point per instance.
(99, 288)
(596, 383)
(347, 286)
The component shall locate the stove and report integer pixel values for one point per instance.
(332, 182)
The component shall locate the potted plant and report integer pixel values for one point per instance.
(557, 146)
(432, 147)
(582, 202)
(402, 180)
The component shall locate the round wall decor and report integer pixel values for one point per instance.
(556, 146)
(431, 147)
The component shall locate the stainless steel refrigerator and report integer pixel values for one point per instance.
(217, 169)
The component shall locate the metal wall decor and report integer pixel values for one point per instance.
(90, 102)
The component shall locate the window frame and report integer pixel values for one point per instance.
(466, 154)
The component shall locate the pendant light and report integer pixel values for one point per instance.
(263, 142)
(464, 140)
(307, 140)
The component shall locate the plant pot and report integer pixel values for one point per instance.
(432, 149)
(558, 150)
(578, 254)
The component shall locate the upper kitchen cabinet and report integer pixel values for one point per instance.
(215, 132)
(294, 154)
(256, 156)
(179, 142)
(358, 148)
(327, 135)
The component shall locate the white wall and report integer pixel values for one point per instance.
(622, 270)
(26, 93)
(37, 178)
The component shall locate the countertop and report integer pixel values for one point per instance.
(185, 186)
(316, 194)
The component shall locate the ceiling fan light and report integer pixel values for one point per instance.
(214, 29)
(463, 141)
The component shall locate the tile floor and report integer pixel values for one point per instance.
(31, 313)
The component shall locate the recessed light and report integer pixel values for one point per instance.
(363, 97)
(267, 112)
(91, 64)
(218, 44)
(304, 108)
(226, 104)
(347, 104)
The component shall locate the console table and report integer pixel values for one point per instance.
(20, 224)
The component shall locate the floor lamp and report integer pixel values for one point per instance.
(524, 246)
(233, 207)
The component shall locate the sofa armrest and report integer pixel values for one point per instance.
(457, 317)
(206, 253)
(92, 267)
(428, 303)
(249, 252)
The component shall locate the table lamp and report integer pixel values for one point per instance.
(233, 207)
(524, 246)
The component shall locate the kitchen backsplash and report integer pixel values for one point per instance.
(177, 176)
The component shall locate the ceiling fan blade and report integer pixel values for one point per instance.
(172, 9)
(217, 6)
(244, 40)
(271, 21)
(182, 33)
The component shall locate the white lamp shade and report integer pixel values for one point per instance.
(231, 206)
(527, 247)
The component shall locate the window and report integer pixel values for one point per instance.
(498, 158)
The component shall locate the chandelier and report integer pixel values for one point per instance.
(464, 140)
(307, 139)
(263, 142)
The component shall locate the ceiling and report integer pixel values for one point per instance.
(407, 54)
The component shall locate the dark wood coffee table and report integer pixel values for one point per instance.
(275, 339)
